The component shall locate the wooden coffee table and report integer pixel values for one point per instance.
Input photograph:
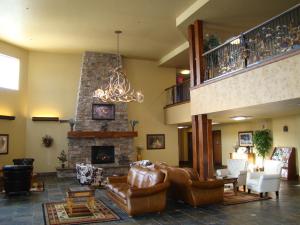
(80, 192)
(230, 180)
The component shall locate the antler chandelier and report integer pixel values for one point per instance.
(118, 88)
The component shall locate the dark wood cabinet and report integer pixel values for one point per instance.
(286, 155)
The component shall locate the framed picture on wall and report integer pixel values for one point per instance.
(4, 143)
(103, 112)
(155, 141)
(246, 138)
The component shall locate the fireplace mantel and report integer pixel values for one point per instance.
(102, 134)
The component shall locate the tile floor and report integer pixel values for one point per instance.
(25, 210)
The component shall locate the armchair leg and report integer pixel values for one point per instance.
(244, 186)
(261, 194)
(249, 191)
(277, 194)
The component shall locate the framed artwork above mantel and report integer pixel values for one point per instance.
(103, 112)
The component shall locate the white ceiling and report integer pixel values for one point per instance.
(149, 27)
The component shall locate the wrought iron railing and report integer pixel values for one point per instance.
(275, 37)
(178, 93)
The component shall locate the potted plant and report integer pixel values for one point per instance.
(262, 141)
(133, 123)
(72, 123)
(47, 141)
(62, 158)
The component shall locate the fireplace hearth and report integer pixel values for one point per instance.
(103, 154)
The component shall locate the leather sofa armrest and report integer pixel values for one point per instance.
(140, 192)
(208, 184)
(117, 179)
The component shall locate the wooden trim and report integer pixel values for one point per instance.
(249, 68)
(192, 57)
(176, 104)
(199, 51)
(102, 134)
(45, 119)
(3, 117)
(195, 129)
(210, 149)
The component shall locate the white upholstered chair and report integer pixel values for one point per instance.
(267, 181)
(235, 168)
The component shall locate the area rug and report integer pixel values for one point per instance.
(242, 197)
(56, 213)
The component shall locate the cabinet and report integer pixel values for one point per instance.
(287, 156)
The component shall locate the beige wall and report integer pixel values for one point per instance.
(152, 80)
(258, 86)
(52, 91)
(290, 138)
(178, 114)
(14, 103)
(229, 134)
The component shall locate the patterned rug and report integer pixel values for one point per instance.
(242, 197)
(56, 213)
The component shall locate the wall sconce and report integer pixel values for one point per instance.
(3, 117)
(45, 119)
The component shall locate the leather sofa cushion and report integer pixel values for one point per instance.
(193, 175)
(120, 189)
(143, 177)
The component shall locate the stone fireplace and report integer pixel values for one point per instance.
(93, 140)
(103, 154)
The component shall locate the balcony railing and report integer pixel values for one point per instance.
(178, 93)
(275, 37)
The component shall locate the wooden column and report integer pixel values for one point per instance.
(210, 149)
(198, 29)
(202, 136)
(195, 130)
(195, 36)
(192, 56)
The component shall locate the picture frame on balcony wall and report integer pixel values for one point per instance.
(103, 112)
(155, 141)
(4, 140)
(246, 138)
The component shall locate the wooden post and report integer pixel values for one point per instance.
(195, 129)
(210, 150)
(202, 135)
(192, 56)
(198, 29)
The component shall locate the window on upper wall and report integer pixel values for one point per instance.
(9, 72)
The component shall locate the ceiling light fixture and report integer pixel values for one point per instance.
(118, 88)
(240, 118)
(184, 72)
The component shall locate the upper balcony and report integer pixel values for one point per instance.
(257, 67)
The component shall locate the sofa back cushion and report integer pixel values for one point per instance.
(143, 177)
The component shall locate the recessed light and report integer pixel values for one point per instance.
(215, 123)
(239, 118)
(182, 127)
(184, 72)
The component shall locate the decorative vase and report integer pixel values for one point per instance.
(139, 157)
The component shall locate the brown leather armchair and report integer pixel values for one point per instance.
(142, 191)
(187, 186)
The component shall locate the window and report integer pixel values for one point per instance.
(9, 72)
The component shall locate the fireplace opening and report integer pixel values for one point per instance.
(103, 154)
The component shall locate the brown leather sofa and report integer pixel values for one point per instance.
(186, 185)
(142, 191)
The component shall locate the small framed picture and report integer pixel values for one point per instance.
(246, 138)
(103, 112)
(4, 143)
(155, 141)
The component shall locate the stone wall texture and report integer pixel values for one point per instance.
(94, 71)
